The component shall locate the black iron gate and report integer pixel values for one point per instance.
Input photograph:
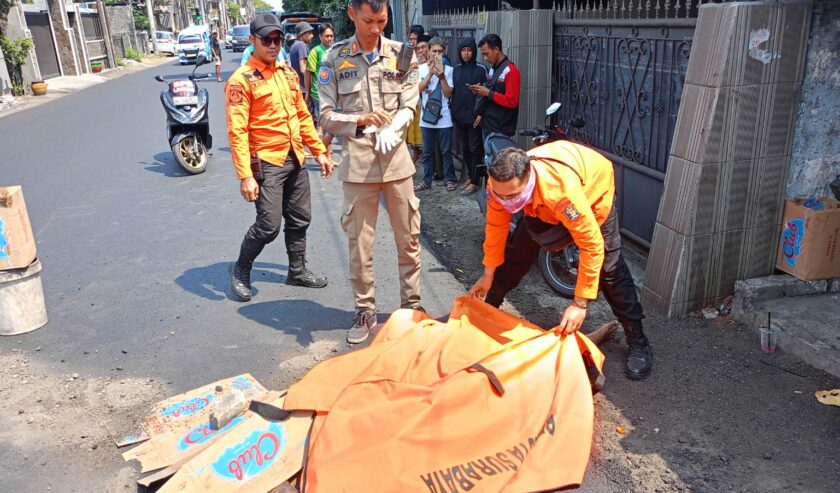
(39, 24)
(624, 78)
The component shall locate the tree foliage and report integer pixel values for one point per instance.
(15, 52)
(262, 5)
(234, 12)
(335, 9)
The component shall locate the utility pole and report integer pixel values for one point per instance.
(151, 13)
(203, 13)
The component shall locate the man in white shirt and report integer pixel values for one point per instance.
(436, 119)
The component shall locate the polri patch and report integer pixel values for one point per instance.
(413, 76)
(571, 212)
(392, 75)
(344, 51)
(325, 76)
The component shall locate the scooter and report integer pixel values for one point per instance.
(187, 119)
(558, 266)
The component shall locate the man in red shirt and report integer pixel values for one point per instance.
(498, 110)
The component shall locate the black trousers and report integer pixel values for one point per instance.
(284, 194)
(472, 149)
(615, 280)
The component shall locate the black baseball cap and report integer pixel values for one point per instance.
(265, 24)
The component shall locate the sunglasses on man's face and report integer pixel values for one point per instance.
(272, 40)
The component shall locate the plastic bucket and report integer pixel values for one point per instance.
(22, 307)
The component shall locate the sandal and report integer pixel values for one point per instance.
(450, 185)
(421, 186)
(469, 190)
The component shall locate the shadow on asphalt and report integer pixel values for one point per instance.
(165, 164)
(213, 282)
(300, 318)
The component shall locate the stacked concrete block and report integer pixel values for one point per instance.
(720, 211)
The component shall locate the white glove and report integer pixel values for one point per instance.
(400, 121)
(387, 139)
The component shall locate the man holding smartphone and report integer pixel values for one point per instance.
(499, 110)
(436, 121)
(268, 125)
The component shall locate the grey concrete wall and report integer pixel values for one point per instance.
(815, 159)
(5, 81)
(720, 212)
(17, 29)
(120, 19)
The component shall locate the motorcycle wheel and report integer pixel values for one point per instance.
(186, 157)
(560, 270)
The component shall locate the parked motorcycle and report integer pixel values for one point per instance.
(187, 119)
(558, 266)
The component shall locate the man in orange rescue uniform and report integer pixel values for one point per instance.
(565, 192)
(268, 125)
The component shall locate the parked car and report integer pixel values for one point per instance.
(165, 41)
(193, 41)
(228, 39)
(239, 39)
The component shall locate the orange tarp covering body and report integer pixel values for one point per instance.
(484, 402)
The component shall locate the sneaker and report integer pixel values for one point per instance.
(363, 322)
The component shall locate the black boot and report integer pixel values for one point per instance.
(240, 281)
(299, 275)
(640, 355)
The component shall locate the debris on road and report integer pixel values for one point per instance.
(179, 427)
(828, 397)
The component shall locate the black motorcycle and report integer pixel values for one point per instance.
(187, 119)
(559, 266)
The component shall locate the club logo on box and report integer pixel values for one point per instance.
(792, 240)
(204, 432)
(3, 242)
(187, 407)
(252, 455)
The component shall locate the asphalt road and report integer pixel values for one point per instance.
(133, 250)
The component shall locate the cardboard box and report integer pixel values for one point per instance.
(17, 245)
(808, 248)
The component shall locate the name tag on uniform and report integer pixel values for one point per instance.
(393, 75)
(348, 74)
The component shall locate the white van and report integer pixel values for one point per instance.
(192, 41)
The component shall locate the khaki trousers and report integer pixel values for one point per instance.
(361, 208)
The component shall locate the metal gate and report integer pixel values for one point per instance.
(39, 24)
(624, 79)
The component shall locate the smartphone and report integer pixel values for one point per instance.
(439, 62)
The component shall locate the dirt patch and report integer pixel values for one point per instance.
(60, 421)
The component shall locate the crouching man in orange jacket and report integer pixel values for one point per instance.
(565, 192)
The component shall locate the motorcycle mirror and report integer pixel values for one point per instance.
(159, 78)
(200, 60)
(552, 109)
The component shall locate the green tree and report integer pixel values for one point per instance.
(262, 5)
(234, 12)
(15, 52)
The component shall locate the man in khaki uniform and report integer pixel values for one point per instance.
(368, 94)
